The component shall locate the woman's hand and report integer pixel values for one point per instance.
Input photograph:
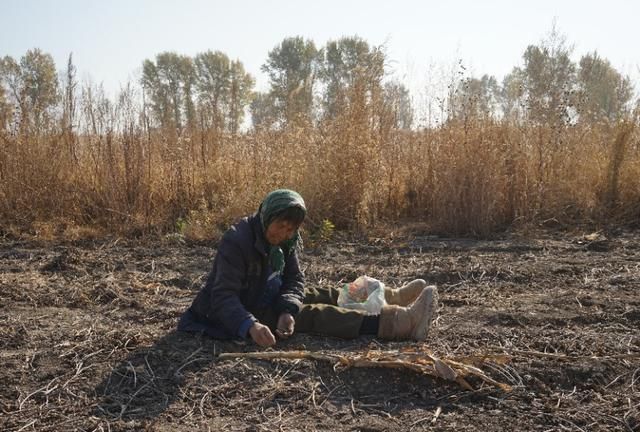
(261, 335)
(286, 324)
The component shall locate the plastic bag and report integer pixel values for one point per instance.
(365, 294)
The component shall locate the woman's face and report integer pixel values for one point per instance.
(280, 231)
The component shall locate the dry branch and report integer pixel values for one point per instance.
(425, 363)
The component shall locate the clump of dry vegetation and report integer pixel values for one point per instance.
(463, 180)
(88, 164)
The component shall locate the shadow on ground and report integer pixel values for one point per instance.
(148, 381)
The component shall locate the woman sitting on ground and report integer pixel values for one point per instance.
(256, 288)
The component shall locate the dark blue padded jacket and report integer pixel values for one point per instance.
(235, 287)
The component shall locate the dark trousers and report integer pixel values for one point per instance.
(320, 315)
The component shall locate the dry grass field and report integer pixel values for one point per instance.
(461, 181)
(525, 215)
(88, 340)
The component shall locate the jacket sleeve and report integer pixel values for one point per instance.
(230, 274)
(292, 290)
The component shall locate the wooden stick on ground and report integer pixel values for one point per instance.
(429, 365)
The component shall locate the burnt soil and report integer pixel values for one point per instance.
(87, 340)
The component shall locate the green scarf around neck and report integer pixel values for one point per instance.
(275, 203)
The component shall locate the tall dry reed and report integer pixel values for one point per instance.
(116, 174)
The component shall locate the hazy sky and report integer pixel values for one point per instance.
(110, 38)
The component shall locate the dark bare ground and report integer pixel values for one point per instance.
(87, 340)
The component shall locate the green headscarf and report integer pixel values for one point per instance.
(274, 204)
